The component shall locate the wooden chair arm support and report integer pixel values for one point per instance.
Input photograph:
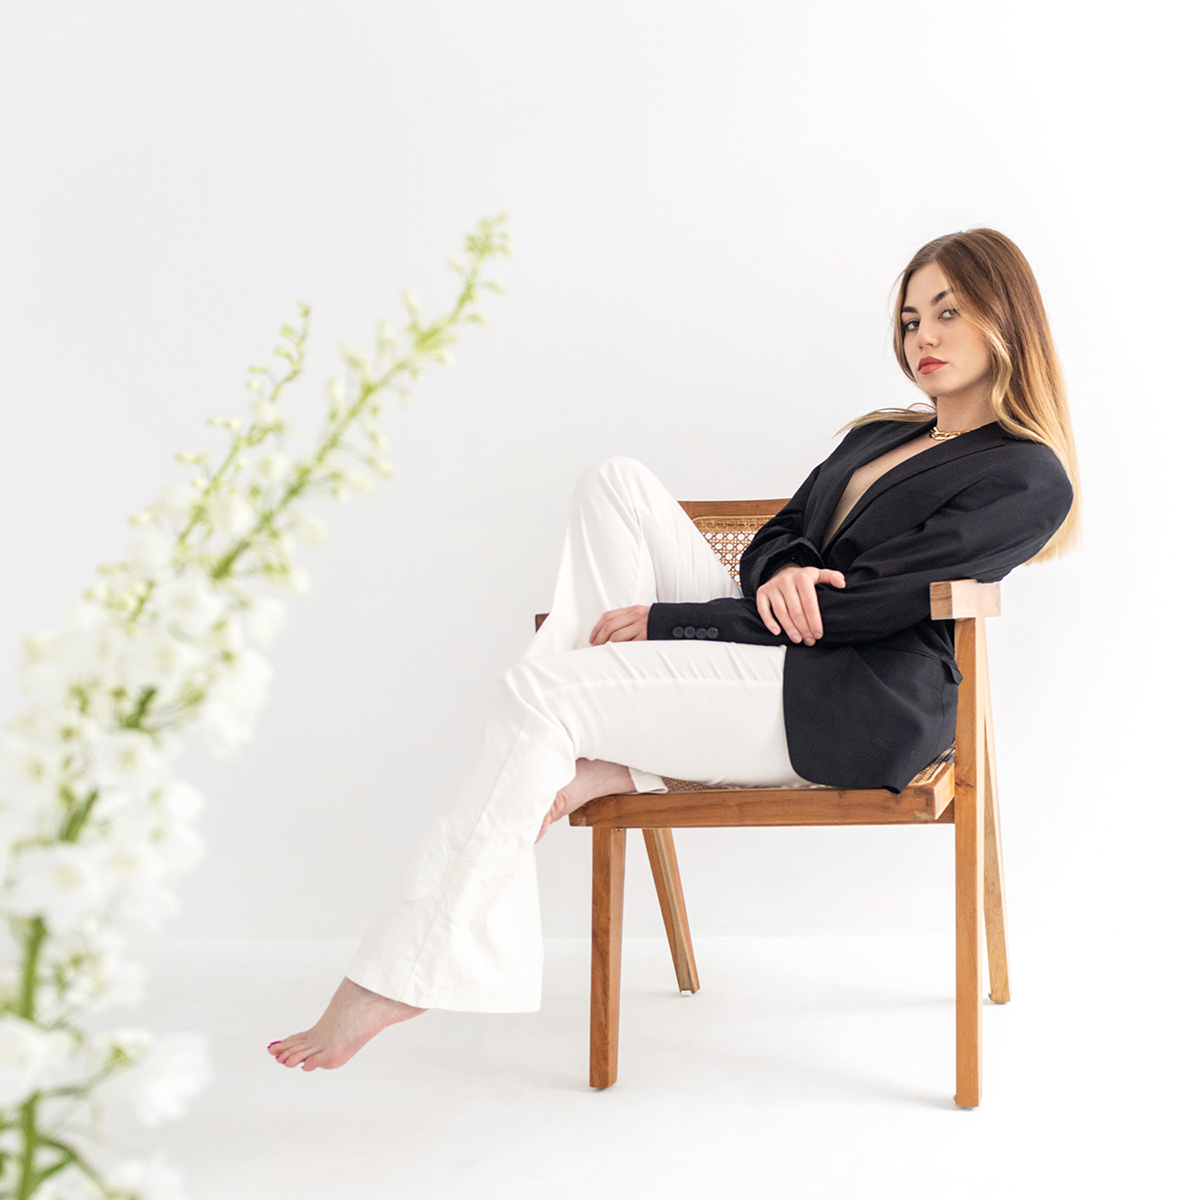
(960, 599)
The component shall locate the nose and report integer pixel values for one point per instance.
(926, 336)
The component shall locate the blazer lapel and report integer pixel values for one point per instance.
(877, 440)
(928, 460)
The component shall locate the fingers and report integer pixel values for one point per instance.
(788, 602)
(784, 602)
(764, 611)
(807, 594)
(621, 625)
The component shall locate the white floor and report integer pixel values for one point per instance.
(809, 1066)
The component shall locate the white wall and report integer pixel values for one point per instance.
(709, 203)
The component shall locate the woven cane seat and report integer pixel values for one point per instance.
(927, 775)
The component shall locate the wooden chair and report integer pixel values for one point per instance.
(959, 788)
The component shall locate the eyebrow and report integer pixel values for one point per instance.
(939, 296)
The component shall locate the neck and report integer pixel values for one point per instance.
(959, 413)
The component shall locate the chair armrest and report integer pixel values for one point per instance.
(961, 599)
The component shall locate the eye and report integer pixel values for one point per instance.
(909, 326)
(949, 312)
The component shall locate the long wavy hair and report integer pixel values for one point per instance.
(995, 290)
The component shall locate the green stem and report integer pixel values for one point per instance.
(78, 818)
(33, 948)
(28, 1180)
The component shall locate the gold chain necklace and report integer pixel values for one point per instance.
(944, 435)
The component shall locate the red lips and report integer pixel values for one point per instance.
(928, 364)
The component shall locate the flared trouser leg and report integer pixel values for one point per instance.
(462, 929)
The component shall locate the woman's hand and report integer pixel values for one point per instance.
(621, 625)
(788, 600)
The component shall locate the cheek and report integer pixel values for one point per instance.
(972, 349)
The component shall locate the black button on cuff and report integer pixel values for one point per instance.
(677, 631)
(702, 632)
(690, 631)
(713, 631)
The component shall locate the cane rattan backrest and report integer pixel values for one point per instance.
(729, 525)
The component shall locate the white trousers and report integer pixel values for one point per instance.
(463, 929)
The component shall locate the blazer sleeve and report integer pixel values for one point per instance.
(1001, 519)
(780, 541)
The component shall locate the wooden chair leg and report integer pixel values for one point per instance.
(608, 901)
(660, 846)
(968, 867)
(993, 878)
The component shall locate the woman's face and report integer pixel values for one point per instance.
(945, 352)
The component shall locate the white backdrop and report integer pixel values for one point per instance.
(709, 203)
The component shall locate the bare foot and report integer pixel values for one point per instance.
(353, 1018)
(593, 777)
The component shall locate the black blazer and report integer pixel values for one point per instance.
(875, 699)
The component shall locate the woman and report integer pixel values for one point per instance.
(824, 666)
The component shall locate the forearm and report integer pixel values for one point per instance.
(734, 618)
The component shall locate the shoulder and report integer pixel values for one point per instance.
(1032, 462)
(1018, 477)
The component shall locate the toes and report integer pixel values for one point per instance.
(294, 1056)
(281, 1048)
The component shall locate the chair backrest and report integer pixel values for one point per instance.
(729, 525)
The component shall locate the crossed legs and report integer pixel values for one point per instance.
(462, 930)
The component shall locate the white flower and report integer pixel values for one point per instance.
(177, 501)
(148, 1180)
(111, 803)
(150, 554)
(19, 824)
(266, 415)
(95, 645)
(233, 701)
(24, 1052)
(310, 529)
(104, 977)
(159, 660)
(63, 883)
(40, 672)
(230, 512)
(360, 481)
(263, 620)
(189, 602)
(180, 800)
(226, 638)
(166, 1076)
(127, 760)
(63, 1062)
(292, 579)
(271, 468)
(29, 771)
(152, 842)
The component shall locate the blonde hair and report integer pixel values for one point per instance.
(995, 290)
